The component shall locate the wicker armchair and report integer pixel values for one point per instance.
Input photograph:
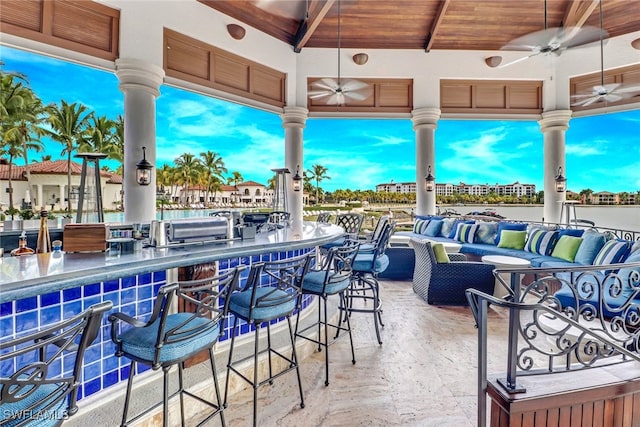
(445, 283)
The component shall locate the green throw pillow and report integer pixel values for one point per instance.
(512, 239)
(567, 247)
(440, 253)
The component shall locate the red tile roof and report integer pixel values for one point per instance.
(52, 167)
(250, 184)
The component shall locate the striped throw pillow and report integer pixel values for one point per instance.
(541, 241)
(420, 226)
(465, 233)
(612, 252)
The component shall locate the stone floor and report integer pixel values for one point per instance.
(424, 373)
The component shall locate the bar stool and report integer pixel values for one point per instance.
(364, 286)
(351, 223)
(272, 291)
(168, 339)
(332, 279)
(34, 390)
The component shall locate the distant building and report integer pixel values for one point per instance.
(444, 189)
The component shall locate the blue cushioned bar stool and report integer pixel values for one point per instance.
(169, 338)
(332, 279)
(364, 287)
(34, 389)
(272, 291)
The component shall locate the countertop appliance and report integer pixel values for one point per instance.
(190, 231)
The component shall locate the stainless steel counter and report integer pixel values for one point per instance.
(22, 277)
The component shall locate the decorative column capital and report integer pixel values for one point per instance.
(425, 118)
(555, 120)
(137, 74)
(294, 117)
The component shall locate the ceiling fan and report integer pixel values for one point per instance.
(339, 91)
(292, 9)
(551, 40)
(611, 92)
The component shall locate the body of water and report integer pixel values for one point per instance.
(621, 217)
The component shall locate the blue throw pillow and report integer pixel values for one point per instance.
(541, 241)
(570, 232)
(486, 232)
(465, 233)
(454, 227)
(420, 226)
(433, 228)
(592, 242)
(508, 226)
(630, 277)
(447, 226)
(612, 252)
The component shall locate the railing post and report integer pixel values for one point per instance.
(482, 362)
(512, 354)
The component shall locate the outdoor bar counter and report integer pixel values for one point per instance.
(36, 290)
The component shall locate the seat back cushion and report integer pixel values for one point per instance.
(420, 226)
(433, 228)
(440, 253)
(508, 226)
(592, 242)
(465, 233)
(567, 247)
(612, 252)
(486, 232)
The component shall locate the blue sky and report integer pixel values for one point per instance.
(603, 152)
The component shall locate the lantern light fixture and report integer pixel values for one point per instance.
(297, 180)
(143, 169)
(561, 181)
(429, 180)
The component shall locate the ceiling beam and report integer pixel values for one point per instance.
(318, 9)
(578, 12)
(436, 25)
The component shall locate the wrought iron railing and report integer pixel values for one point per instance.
(616, 233)
(596, 323)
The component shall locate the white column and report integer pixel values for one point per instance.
(553, 125)
(61, 196)
(139, 81)
(425, 121)
(294, 121)
(41, 201)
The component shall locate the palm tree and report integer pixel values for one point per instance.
(188, 168)
(44, 158)
(214, 168)
(69, 126)
(100, 138)
(318, 173)
(21, 112)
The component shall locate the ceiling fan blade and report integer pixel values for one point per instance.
(524, 58)
(580, 36)
(356, 95)
(628, 89)
(533, 40)
(326, 84)
(592, 100)
(317, 94)
(613, 97)
(351, 85)
(293, 9)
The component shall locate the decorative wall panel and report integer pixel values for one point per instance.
(491, 96)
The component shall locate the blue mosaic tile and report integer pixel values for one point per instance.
(50, 315)
(71, 309)
(6, 326)
(50, 299)
(124, 372)
(144, 308)
(55, 368)
(7, 368)
(26, 304)
(93, 289)
(6, 308)
(109, 379)
(71, 294)
(92, 387)
(145, 292)
(128, 296)
(114, 297)
(111, 285)
(129, 309)
(88, 302)
(159, 276)
(91, 371)
(92, 354)
(26, 321)
(128, 282)
(142, 368)
(110, 362)
(156, 288)
(223, 264)
(144, 279)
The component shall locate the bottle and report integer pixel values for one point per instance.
(44, 240)
(22, 248)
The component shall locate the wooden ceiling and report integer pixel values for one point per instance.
(423, 24)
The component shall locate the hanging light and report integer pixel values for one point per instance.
(429, 180)
(143, 169)
(297, 180)
(561, 181)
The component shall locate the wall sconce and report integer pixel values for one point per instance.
(236, 31)
(143, 169)
(636, 44)
(493, 61)
(561, 181)
(297, 180)
(360, 58)
(429, 180)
